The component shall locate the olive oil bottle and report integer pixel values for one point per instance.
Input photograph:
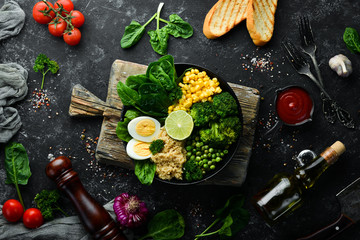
(284, 193)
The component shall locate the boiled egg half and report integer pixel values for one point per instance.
(144, 128)
(138, 150)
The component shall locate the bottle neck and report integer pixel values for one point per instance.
(309, 173)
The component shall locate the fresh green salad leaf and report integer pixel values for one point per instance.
(43, 64)
(129, 97)
(231, 218)
(352, 40)
(159, 40)
(145, 171)
(177, 27)
(135, 81)
(166, 225)
(17, 166)
(132, 34)
(121, 128)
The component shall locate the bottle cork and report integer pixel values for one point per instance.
(338, 147)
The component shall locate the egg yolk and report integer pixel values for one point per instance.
(142, 149)
(145, 127)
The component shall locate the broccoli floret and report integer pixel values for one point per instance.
(222, 133)
(225, 105)
(192, 171)
(202, 113)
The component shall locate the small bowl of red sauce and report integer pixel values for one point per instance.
(294, 106)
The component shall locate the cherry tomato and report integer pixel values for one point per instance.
(12, 210)
(57, 27)
(78, 18)
(33, 218)
(39, 16)
(67, 5)
(73, 37)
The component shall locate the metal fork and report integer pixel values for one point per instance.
(308, 43)
(330, 107)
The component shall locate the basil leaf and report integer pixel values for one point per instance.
(145, 171)
(16, 164)
(159, 40)
(352, 40)
(178, 27)
(166, 225)
(132, 34)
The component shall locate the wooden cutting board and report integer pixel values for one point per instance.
(110, 148)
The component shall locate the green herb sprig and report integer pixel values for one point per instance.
(176, 27)
(156, 146)
(47, 202)
(43, 64)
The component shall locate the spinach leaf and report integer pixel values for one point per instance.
(179, 79)
(154, 98)
(352, 40)
(232, 216)
(121, 128)
(128, 96)
(178, 27)
(145, 171)
(159, 40)
(133, 33)
(17, 166)
(158, 74)
(166, 225)
(122, 131)
(159, 37)
(135, 81)
(132, 113)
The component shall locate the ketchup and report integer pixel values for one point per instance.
(294, 106)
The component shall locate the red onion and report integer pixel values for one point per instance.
(130, 211)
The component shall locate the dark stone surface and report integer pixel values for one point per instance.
(52, 131)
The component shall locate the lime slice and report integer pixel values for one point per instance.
(179, 125)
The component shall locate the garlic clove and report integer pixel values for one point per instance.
(341, 65)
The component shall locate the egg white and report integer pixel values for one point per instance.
(134, 134)
(131, 153)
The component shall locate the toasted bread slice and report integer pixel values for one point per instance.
(223, 16)
(260, 20)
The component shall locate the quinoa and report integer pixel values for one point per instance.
(170, 160)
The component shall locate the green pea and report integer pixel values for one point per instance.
(206, 166)
(197, 139)
(226, 151)
(209, 155)
(206, 151)
(206, 147)
(213, 155)
(193, 144)
(198, 153)
(188, 148)
(188, 154)
(209, 162)
(192, 157)
(204, 155)
(212, 167)
(221, 154)
(197, 145)
(218, 159)
(194, 150)
(197, 158)
(211, 150)
(218, 154)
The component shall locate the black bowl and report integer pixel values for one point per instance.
(180, 68)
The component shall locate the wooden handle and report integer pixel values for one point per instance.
(95, 218)
(84, 103)
(332, 230)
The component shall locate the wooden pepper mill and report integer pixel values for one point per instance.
(95, 218)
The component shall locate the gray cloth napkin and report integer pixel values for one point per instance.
(12, 19)
(67, 228)
(13, 88)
